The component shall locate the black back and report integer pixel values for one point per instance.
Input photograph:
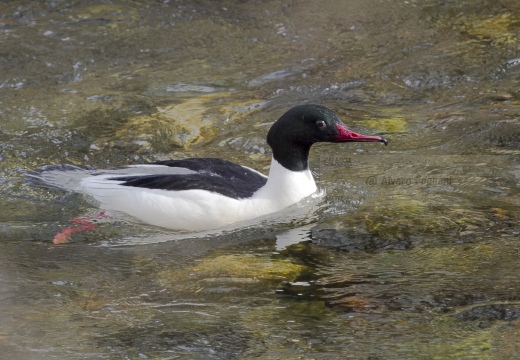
(215, 175)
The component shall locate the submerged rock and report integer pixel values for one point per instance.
(230, 273)
(489, 313)
(178, 125)
(193, 121)
(390, 122)
(500, 29)
(356, 241)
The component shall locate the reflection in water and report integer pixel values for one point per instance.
(410, 254)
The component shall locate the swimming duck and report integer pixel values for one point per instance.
(209, 193)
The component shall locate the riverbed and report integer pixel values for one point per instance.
(410, 251)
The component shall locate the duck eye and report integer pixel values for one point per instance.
(321, 124)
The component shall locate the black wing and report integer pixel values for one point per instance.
(213, 175)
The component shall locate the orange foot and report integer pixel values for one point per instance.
(86, 222)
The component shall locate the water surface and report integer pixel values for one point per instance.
(412, 253)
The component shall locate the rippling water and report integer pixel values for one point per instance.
(411, 251)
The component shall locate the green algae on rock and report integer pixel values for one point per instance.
(234, 271)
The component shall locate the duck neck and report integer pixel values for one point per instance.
(287, 186)
(294, 157)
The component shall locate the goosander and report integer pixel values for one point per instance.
(207, 193)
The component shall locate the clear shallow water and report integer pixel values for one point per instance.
(414, 247)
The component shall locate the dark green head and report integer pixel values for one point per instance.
(292, 136)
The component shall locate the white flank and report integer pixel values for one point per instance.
(197, 210)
